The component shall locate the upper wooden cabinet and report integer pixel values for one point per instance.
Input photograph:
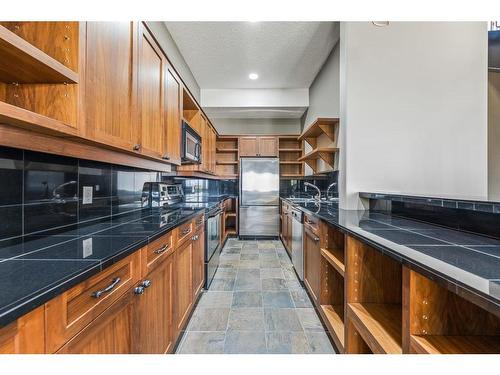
(152, 66)
(258, 146)
(173, 127)
(111, 84)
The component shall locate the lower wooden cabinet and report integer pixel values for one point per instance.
(24, 336)
(183, 276)
(198, 262)
(112, 332)
(312, 263)
(154, 310)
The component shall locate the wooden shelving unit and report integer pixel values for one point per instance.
(441, 321)
(22, 62)
(334, 320)
(327, 154)
(227, 161)
(379, 325)
(374, 298)
(455, 344)
(321, 126)
(334, 260)
(290, 150)
(325, 150)
(230, 224)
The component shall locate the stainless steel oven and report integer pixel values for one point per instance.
(213, 244)
(191, 144)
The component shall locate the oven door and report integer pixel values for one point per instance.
(213, 236)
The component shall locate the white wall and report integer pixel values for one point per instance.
(175, 57)
(324, 101)
(494, 136)
(257, 126)
(254, 97)
(413, 109)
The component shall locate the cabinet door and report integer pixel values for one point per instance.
(110, 333)
(268, 146)
(214, 152)
(312, 263)
(198, 262)
(111, 83)
(24, 336)
(205, 144)
(248, 146)
(173, 119)
(289, 224)
(183, 276)
(154, 317)
(151, 105)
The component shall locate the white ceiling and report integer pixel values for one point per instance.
(284, 54)
(254, 112)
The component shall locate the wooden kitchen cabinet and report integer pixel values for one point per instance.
(26, 335)
(173, 126)
(198, 262)
(154, 310)
(268, 146)
(312, 262)
(248, 146)
(112, 332)
(70, 312)
(152, 65)
(183, 276)
(258, 146)
(111, 84)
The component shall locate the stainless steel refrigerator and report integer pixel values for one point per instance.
(259, 197)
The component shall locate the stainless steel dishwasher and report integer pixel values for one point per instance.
(297, 242)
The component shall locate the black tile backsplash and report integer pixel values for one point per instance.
(39, 192)
(470, 216)
(297, 188)
(196, 190)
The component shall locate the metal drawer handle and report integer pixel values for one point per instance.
(194, 238)
(199, 222)
(186, 231)
(137, 147)
(146, 283)
(161, 250)
(316, 239)
(109, 288)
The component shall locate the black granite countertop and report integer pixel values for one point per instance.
(468, 260)
(36, 268)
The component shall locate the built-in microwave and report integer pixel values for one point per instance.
(191, 144)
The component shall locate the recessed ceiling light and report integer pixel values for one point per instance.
(253, 76)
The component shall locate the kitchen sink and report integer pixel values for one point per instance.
(301, 200)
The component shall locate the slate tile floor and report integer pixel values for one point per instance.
(255, 305)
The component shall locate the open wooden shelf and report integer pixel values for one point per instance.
(292, 175)
(291, 162)
(334, 320)
(290, 150)
(231, 214)
(219, 149)
(227, 162)
(319, 127)
(325, 153)
(336, 262)
(17, 116)
(455, 344)
(379, 325)
(22, 62)
(231, 231)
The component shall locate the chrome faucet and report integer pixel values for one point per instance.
(318, 196)
(328, 189)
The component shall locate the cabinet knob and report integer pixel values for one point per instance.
(139, 290)
(137, 147)
(146, 283)
(316, 239)
(165, 157)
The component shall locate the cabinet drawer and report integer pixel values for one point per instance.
(312, 223)
(199, 222)
(155, 252)
(70, 312)
(184, 232)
